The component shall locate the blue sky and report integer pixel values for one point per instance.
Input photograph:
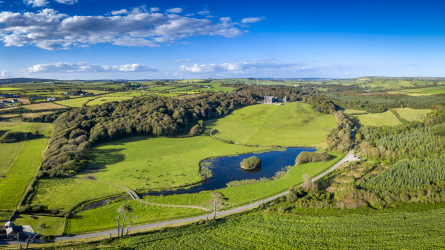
(139, 39)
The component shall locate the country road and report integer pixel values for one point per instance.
(348, 157)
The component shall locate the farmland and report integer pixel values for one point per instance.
(378, 119)
(66, 193)
(103, 218)
(379, 231)
(292, 124)
(23, 169)
(141, 162)
(412, 114)
(53, 225)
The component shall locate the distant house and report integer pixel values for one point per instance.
(5, 101)
(12, 231)
(15, 101)
(50, 99)
(35, 98)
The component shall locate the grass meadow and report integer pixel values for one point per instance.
(43, 106)
(142, 162)
(240, 195)
(412, 114)
(104, 99)
(291, 124)
(54, 225)
(69, 192)
(22, 170)
(75, 102)
(8, 153)
(19, 126)
(103, 218)
(379, 119)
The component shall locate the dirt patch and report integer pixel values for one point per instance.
(35, 115)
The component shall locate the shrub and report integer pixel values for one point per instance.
(305, 157)
(251, 163)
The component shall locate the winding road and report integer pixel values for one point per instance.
(348, 157)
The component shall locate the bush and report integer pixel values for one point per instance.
(19, 136)
(305, 157)
(251, 163)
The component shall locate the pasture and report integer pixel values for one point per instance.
(107, 98)
(22, 170)
(54, 225)
(67, 193)
(141, 162)
(75, 102)
(19, 126)
(8, 153)
(379, 119)
(291, 124)
(412, 114)
(103, 218)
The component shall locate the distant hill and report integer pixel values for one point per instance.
(23, 80)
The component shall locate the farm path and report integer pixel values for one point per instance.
(135, 196)
(348, 157)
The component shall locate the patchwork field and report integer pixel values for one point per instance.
(43, 106)
(291, 124)
(104, 99)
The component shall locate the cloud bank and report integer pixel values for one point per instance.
(51, 30)
(243, 67)
(83, 67)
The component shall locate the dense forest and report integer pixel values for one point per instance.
(380, 102)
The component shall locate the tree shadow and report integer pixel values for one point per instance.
(100, 158)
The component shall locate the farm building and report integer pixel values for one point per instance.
(50, 99)
(15, 101)
(12, 231)
(4, 102)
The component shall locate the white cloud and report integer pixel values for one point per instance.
(175, 10)
(154, 9)
(48, 29)
(70, 2)
(252, 19)
(243, 67)
(36, 3)
(119, 12)
(83, 67)
(5, 74)
(204, 12)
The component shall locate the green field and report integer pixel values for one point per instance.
(292, 124)
(18, 126)
(76, 102)
(68, 192)
(103, 218)
(263, 230)
(379, 119)
(243, 194)
(8, 153)
(412, 114)
(142, 162)
(21, 172)
(54, 225)
(104, 99)
(354, 111)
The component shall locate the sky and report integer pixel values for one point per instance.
(166, 39)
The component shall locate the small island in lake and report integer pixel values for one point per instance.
(251, 163)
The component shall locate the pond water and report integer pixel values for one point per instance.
(227, 168)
